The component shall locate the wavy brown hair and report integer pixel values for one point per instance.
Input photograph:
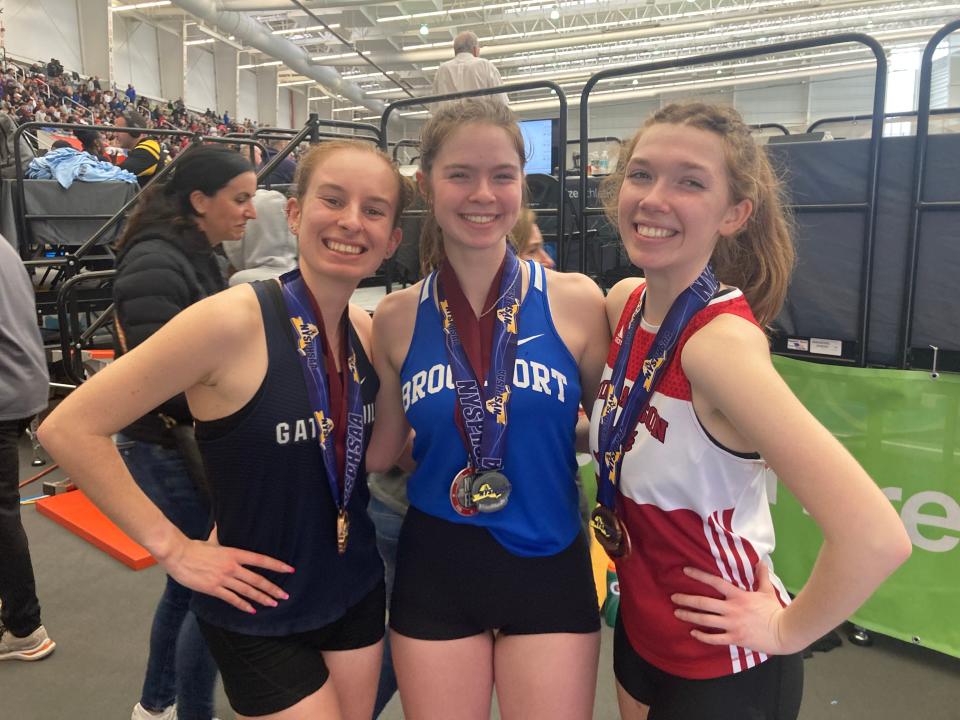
(439, 128)
(759, 258)
(315, 156)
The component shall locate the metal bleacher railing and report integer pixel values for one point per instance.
(851, 355)
(910, 356)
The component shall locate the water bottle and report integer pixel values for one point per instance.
(611, 606)
(604, 162)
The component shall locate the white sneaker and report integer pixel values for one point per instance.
(35, 646)
(140, 713)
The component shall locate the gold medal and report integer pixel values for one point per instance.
(610, 532)
(343, 530)
(490, 491)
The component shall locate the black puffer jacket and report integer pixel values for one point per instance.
(161, 271)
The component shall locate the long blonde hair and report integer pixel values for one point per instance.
(439, 128)
(760, 257)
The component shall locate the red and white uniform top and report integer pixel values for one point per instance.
(686, 501)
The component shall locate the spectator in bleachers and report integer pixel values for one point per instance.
(63, 98)
(92, 142)
(131, 93)
(144, 155)
(284, 173)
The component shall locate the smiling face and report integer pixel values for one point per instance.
(476, 186)
(345, 220)
(223, 215)
(675, 200)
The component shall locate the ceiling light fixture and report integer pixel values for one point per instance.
(338, 56)
(555, 14)
(141, 6)
(272, 63)
(424, 30)
(310, 28)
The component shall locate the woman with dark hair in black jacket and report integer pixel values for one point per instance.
(166, 262)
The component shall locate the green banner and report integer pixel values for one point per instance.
(904, 428)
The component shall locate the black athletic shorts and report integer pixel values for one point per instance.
(455, 581)
(263, 675)
(770, 691)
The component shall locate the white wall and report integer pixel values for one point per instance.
(784, 103)
(41, 29)
(247, 106)
(201, 86)
(136, 57)
(848, 94)
(284, 108)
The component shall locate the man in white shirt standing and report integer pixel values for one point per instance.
(467, 70)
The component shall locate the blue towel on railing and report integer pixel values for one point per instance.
(66, 165)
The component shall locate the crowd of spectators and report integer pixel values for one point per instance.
(45, 93)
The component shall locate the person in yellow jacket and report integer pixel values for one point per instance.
(144, 156)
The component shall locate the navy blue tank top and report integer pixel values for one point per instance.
(271, 494)
(541, 517)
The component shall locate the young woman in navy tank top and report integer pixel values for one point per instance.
(706, 629)
(498, 595)
(290, 585)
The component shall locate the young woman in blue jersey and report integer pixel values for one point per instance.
(290, 585)
(493, 584)
(684, 429)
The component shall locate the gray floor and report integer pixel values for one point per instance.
(99, 613)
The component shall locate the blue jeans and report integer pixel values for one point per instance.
(180, 668)
(387, 523)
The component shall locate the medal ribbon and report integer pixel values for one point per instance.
(299, 302)
(483, 409)
(618, 420)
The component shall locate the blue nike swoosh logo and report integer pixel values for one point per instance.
(528, 339)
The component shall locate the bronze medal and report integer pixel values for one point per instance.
(343, 530)
(461, 493)
(610, 532)
(491, 491)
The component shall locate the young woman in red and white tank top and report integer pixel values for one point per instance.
(706, 628)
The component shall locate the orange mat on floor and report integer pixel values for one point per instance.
(81, 517)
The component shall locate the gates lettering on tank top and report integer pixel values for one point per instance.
(271, 495)
(542, 517)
